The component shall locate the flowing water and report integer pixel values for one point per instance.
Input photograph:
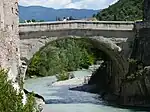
(60, 99)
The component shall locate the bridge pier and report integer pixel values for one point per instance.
(141, 50)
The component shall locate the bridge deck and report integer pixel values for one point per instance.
(79, 21)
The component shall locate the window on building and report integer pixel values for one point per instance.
(12, 10)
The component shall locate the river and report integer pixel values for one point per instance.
(60, 99)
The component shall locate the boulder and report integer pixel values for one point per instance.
(39, 101)
(71, 75)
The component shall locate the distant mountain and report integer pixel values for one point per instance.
(50, 14)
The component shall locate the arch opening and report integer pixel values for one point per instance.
(116, 65)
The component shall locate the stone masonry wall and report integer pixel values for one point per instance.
(9, 37)
(141, 50)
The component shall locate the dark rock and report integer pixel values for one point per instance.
(85, 88)
(110, 97)
(39, 101)
(147, 10)
(71, 75)
(36, 95)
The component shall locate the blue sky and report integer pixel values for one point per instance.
(78, 4)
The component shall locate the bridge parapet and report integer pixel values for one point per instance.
(59, 25)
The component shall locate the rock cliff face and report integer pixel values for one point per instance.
(146, 10)
(137, 91)
(135, 86)
(9, 38)
(141, 52)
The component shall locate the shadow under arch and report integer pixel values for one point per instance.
(119, 63)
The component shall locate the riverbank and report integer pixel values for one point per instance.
(77, 84)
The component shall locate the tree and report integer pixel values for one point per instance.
(33, 20)
(10, 99)
(41, 21)
(28, 21)
(123, 10)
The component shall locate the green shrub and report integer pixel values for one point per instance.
(62, 76)
(136, 69)
(29, 107)
(34, 64)
(132, 61)
(10, 101)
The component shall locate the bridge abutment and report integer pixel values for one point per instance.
(141, 50)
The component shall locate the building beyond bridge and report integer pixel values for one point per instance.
(33, 36)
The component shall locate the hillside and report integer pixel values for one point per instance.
(123, 10)
(50, 14)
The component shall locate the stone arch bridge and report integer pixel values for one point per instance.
(33, 36)
(114, 38)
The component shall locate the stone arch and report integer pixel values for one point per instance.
(119, 63)
(28, 47)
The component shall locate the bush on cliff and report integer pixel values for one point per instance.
(136, 70)
(10, 101)
(62, 55)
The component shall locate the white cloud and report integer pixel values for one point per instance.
(79, 4)
(92, 4)
(45, 3)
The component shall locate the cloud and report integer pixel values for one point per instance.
(46, 3)
(79, 4)
(91, 4)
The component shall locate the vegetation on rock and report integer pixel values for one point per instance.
(10, 99)
(136, 70)
(123, 10)
(62, 55)
(62, 76)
